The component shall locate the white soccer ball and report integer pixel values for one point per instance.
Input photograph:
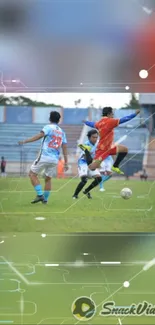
(126, 193)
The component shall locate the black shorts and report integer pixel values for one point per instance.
(2, 169)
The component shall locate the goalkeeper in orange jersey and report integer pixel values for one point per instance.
(106, 147)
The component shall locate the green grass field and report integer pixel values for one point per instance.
(33, 293)
(105, 213)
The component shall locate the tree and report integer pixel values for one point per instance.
(133, 103)
(2, 100)
(23, 101)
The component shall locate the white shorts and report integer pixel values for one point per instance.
(49, 169)
(83, 170)
(106, 166)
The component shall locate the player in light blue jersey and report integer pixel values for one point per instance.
(53, 139)
(83, 170)
(105, 169)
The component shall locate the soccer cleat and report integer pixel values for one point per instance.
(75, 197)
(39, 198)
(102, 189)
(88, 195)
(117, 170)
(44, 202)
(84, 147)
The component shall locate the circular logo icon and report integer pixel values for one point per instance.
(83, 308)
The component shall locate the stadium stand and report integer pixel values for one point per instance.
(135, 139)
(151, 158)
(134, 135)
(11, 134)
(18, 157)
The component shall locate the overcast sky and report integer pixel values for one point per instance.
(115, 100)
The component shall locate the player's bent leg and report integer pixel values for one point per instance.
(37, 186)
(121, 148)
(50, 169)
(34, 178)
(105, 178)
(95, 164)
(122, 152)
(84, 147)
(86, 150)
(95, 183)
(103, 173)
(99, 157)
(47, 189)
(80, 186)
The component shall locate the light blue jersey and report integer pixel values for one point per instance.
(82, 159)
(52, 142)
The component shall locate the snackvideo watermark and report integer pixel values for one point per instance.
(141, 309)
(84, 308)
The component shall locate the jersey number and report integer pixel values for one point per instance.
(55, 143)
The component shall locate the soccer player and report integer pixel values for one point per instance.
(105, 167)
(105, 170)
(60, 168)
(53, 138)
(3, 166)
(106, 147)
(84, 173)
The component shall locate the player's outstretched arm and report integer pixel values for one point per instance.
(90, 124)
(65, 154)
(35, 138)
(129, 117)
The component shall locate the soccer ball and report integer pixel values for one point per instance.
(126, 193)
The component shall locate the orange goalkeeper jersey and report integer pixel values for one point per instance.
(106, 132)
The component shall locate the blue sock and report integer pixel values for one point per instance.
(46, 195)
(101, 184)
(38, 189)
(104, 179)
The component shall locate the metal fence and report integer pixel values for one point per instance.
(19, 160)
